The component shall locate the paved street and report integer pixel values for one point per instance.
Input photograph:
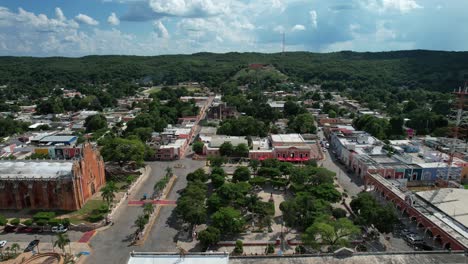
(352, 183)
(113, 244)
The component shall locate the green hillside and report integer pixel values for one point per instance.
(428, 70)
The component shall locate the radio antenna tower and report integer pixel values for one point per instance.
(283, 43)
(460, 118)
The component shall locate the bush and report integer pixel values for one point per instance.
(41, 222)
(239, 248)
(66, 222)
(339, 213)
(43, 215)
(361, 248)
(259, 180)
(28, 222)
(270, 249)
(300, 249)
(15, 221)
(54, 222)
(3, 220)
(95, 218)
(104, 208)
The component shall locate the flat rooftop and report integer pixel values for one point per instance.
(451, 201)
(34, 170)
(172, 258)
(418, 258)
(287, 138)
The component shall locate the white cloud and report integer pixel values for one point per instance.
(298, 27)
(161, 29)
(313, 18)
(113, 19)
(187, 8)
(85, 19)
(59, 14)
(402, 5)
(382, 6)
(279, 29)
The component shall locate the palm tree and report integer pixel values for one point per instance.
(62, 241)
(253, 164)
(7, 252)
(168, 172)
(15, 247)
(140, 222)
(148, 208)
(108, 192)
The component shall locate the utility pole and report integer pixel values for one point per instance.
(283, 43)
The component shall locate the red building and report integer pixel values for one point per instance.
(51, 184)
(284, 147)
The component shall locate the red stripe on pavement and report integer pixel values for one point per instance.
(87, 236)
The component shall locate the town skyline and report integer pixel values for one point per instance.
(155, 27)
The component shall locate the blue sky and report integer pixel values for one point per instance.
(153, 27)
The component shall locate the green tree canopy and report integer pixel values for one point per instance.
(209, 237)
(95, 122)
(197, 147)
(334, 234)
(241, 174)
(226, 149)
(123, 150)
(229, 220)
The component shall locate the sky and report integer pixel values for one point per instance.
(74, 28)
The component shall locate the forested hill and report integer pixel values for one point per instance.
(430, 70)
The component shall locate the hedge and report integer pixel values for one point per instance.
(28, 222)
(95, 218)
(3, 220)
(41, 222)
(104, 208)
(15, 221)
(43, 215)
(54, 222)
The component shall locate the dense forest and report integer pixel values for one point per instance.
(428, 70)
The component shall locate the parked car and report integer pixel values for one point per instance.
(9, 228)
(3, 243)
(27, 229)
(32, 245)
(422, 246)
(405, 232)
(414, 240)
(59, 229)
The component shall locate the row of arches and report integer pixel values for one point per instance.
(430, 233)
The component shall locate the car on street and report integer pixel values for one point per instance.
(9, 228)
(32, 245)
(3, 243)
(59, 229)
(405, 232)
(27, 229)
(422, 246)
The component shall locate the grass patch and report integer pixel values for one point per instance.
(121, 185)
(89, 207)
(465, 185)
(154, 89)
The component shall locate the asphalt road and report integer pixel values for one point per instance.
(350, 182)
(113, 245)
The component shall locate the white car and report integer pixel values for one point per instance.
(3, 243)
(59, 229)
